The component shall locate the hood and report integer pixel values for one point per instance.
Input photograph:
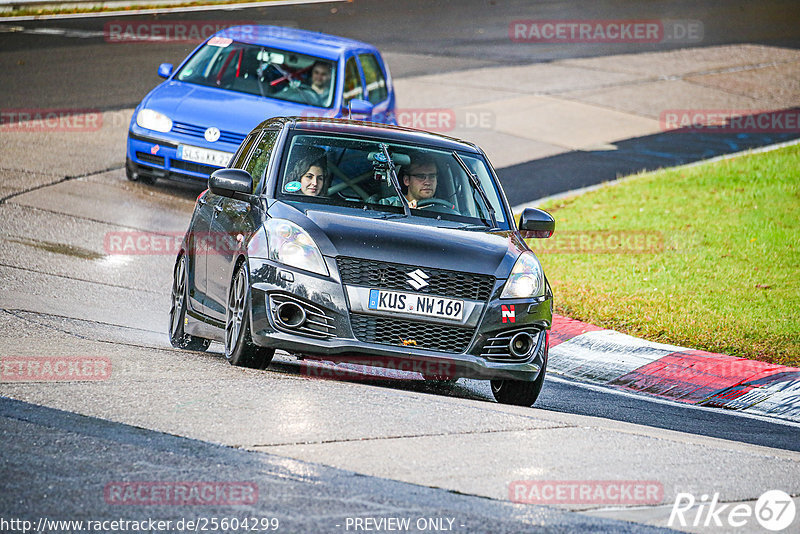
(227, 110)
(416, 244)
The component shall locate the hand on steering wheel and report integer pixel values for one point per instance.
(436, 202)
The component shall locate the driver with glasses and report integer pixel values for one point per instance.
(420, 178)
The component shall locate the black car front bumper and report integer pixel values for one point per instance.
(331, 330)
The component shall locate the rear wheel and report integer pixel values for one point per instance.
(239, 347)
(518, 392)
(177, 312)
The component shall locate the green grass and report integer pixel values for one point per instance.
(727, 276)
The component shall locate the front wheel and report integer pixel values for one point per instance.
(177, 312)
(518, 392)
(239, 347)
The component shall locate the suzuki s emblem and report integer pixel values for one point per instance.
(212, 134)
(416, 279)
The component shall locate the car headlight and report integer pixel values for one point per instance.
(289, 244)
(526, 279)
(153, 120)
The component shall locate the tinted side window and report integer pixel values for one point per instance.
(259, 159)
(244, 150)
(373, 76)
(352, 81)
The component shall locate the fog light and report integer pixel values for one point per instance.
(521, 344)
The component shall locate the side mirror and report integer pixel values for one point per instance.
(359, 106)
(232, 183)
(536, 223)
(165, 70)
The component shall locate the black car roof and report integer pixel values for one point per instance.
(371, 129)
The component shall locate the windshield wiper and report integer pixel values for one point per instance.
(476, 186)
(394, 180)
(484, 227)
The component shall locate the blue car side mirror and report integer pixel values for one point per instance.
(358, 106)
(165, 70)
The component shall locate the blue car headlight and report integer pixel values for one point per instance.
(289, 244)
(153, 120)
(526, 279)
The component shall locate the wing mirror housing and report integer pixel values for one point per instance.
(536, 223)
(231, 183)
(360, 107)
(165, 70)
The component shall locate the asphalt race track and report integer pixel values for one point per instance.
(322, 452)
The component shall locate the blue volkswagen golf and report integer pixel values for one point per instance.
(191, 124)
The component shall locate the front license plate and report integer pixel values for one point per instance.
(415, 304)
(203, 155)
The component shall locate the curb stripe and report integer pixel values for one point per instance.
(589, 353)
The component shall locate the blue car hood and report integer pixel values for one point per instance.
(227, 110)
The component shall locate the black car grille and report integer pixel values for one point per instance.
(411, 334)
(150, 158)
(200, 131)
(380, 274)
(193, 167)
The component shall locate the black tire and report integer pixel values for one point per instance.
(132, 174)
(239, 347)
(518, 392)
(177, 312)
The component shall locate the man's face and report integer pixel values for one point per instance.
(421, 181)
(320, 76)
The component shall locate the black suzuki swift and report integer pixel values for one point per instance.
(355, 242)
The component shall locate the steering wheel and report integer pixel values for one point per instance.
(438, 202)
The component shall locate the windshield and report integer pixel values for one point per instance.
(337, 170)
(258, 70)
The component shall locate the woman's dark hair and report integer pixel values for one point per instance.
(303, 158)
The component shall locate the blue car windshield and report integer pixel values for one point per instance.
(342, 171)
(263, 71)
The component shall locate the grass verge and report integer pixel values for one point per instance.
(706, 257)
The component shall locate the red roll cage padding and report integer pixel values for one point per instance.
(225, 66)
(239, 62)
(289, 75)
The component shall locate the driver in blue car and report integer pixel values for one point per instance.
(420, 178)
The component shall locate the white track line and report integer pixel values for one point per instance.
(186, 9)
(575, 192)
(659, 400)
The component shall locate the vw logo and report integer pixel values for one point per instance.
(416, 279)
(212, 134)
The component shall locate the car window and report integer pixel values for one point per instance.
(244, 150)
(263, 71)
(257, 164)
(352, 81)
(337, 170)
(373, 76)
